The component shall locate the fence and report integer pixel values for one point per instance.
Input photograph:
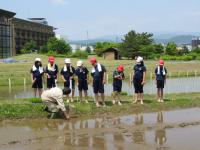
(24, 78)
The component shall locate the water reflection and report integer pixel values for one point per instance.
(139, 134)
(109, 133)
(160, 133)
(176, 85)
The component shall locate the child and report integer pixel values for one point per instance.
(118, 76)
(37, 72)
(67, 74)
(82, 74)
(139, 76)
(51, 71)
(99, 79)
(160, 73)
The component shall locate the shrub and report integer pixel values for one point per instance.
(80, 54)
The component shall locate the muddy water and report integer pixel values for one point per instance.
(176, 85)
(173, 130)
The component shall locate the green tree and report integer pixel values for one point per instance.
(101, 46)
(43, 49)
(158, 49)
(196, 50)
(88, 50)
(58, 46)
(29, 47)
(171, 48)
(133, 44)
(147, 51)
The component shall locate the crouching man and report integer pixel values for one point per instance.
(53, 99)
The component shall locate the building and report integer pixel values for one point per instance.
(111, 54)
(15, 32)
(195, 42)
(76, 47)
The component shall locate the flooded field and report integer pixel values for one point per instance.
(174, 85)
(172, 130)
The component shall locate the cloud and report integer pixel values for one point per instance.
(59, 2)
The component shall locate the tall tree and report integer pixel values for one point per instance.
(158, 48)
(133, 43)
(171, 48)
(88, 50)
(58, 46)
(147, 51)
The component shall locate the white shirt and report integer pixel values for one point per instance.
(54, 95)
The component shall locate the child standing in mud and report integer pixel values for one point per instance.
(99, 79)
(138, 79)
(82, 83)
(51, 71)
(160, 73)
(37, 72)
(67, 74)
(118, 76)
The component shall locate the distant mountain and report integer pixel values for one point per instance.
(111, 38)
(164, 36)
(90, 42)
(180, 39)
(158, 38)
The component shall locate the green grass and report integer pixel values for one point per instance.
(33, 108)
(18, 71)
(18, 111)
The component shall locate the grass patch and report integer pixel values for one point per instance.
(18, 111)
(33, 108)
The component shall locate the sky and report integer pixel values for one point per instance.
(74, 18)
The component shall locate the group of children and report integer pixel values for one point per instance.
(80, 75)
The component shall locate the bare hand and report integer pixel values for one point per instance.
(104, 81)
(143, 82)
(33, 81)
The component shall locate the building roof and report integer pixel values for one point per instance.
(28, 21)
(7, 13)
(37, 18)
(111, 48)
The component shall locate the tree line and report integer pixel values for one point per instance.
(134, 44)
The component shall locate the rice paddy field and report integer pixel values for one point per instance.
(19, 72)
(24, 123)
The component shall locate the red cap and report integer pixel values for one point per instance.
(51, 59)
(161, 62)
(93, 60)
(120, 68)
